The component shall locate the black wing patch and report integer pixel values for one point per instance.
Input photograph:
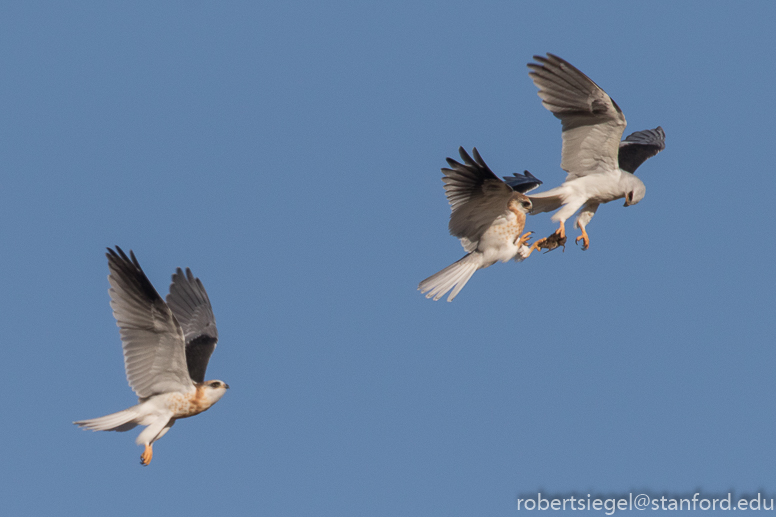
(191, 306)
(639, 147)
(198, 352)
(129, 271)
(522, 182)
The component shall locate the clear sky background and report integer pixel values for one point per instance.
(289, 153)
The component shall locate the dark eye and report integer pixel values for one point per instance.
(527, 205)
(215, 384)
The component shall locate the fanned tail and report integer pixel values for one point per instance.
(453, 276)
(121, 421)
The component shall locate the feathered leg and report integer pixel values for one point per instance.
(585, 215)
(150, 434)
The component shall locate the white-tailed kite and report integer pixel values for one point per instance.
(166, 350)
(488, 216)
(600, 168)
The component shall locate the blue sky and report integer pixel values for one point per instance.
(289, 153)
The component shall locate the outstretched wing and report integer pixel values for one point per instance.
(476, 195)
(592, 121)
(522, 183)
(153, 342)
(191, 306)
(640, 146)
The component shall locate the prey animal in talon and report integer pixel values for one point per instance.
(600, 167)
(550, 243)
(167, 347)
(488, 216)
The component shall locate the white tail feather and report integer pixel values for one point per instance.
(121, 421)
(546, 201)
(455, 275)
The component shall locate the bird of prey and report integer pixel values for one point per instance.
(167, 347)
(600, 168)
(488, 216)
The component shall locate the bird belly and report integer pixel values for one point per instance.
(498, 241)
(601, 188)
(180, 405)
(185, 406)
(594, 188)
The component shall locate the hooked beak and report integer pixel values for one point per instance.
(226, 386)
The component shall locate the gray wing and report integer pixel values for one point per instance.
(640, 146)
(153, 343)
(191, 306)
(522, 183)
(592, 121)
(476, 195)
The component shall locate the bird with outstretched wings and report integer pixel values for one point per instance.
(166, 346)
(600, 167)
(488, 216)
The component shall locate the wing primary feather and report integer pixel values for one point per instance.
(152, 340)
(191, 306)
(638, 147)
(592, 122)
(522, 183)
(476, 196)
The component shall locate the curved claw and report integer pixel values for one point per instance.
(524, 239)
(147, 455)
(585, 240)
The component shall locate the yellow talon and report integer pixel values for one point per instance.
(147, 455)
(585, 240)
(524, 239)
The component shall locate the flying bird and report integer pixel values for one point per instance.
(167, 347)
(600, 168)
(488, 216)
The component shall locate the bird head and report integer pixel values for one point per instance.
(521, 202)
(214, 390)
(635, 195)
